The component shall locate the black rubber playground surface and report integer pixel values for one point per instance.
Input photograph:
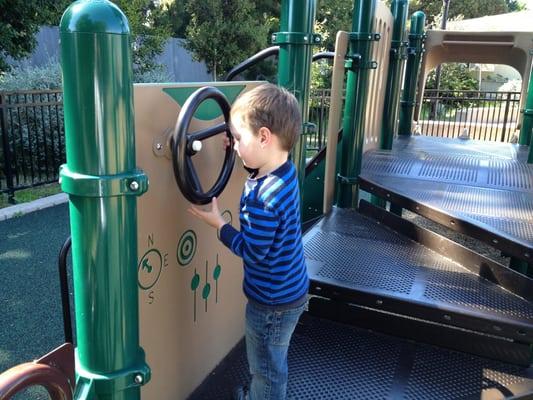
(31, 322)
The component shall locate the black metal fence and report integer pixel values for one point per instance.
(32, 131)
(32, 139)
(489, 116)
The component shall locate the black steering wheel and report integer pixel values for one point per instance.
(185, 145)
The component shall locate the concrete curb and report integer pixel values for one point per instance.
(20, 209)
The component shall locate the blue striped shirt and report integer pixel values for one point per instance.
(270, 240)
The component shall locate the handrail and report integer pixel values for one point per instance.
(249, 62)
(54, 371)
(265, 53)
(63, 284)
(330, 55)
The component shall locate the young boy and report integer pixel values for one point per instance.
(265, 124)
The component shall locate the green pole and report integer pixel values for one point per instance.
(526, 131)
(295, 40)
(103, 184)
(414, 56)
(399, 10)
(357, 64)
(392, 92)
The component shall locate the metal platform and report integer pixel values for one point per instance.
(482, 189)
(368, 275)
(334, 361)
(356, 259)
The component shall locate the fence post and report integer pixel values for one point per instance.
(505, 116)
(5, 149)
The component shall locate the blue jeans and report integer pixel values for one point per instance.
(268, 334)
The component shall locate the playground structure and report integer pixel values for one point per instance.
(158, 299)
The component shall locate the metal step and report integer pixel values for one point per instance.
(484, 190)
(334, 361)
(355, 259)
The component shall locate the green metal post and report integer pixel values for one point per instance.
(526, 131)
(294, 64)
(358, 64)
(414, 56)
(399, 10)
(103, 184)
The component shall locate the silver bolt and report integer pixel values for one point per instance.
(134, 185)
(197, 145)
(158, 146)
(138, 379)
(306, 37)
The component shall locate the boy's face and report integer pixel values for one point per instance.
(247, 143)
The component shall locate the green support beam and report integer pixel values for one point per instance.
(103, 184)
(357, 64)
(526, 131)
(414, 56)
(399, 10)
(295, 40)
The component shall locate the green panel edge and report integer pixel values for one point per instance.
(209, 109)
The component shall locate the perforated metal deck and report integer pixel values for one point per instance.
(356, 258)
(483, 189)
(333, 361)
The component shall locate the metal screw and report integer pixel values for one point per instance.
(197, 145)
(134, 185)
(158, 146)
(305, 38)
(138, 379)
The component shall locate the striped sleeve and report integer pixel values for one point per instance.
(258, 230)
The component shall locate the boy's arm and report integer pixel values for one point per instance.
(258, 229)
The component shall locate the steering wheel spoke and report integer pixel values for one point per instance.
(195, 182)
(209, 132)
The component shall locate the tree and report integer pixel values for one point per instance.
(333, 16)
(454, 76)
(18, 25)
(515, 5)
(148, 37)
(222, 33)
(20, 22)
(459, 9)
(175, 16)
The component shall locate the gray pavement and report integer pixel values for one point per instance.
(31, 322)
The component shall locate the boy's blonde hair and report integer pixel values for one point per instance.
(272, 107)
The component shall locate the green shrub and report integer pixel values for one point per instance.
(32, 78)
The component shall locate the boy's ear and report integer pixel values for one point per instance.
(265, 136)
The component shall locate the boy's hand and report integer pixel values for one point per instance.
(226, 142)
(212, 217)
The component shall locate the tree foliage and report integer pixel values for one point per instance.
(460, 9)
(454, 76)
(222, 33)
(148, 37)
(20, 21)
(18, 25)
(333, 16)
